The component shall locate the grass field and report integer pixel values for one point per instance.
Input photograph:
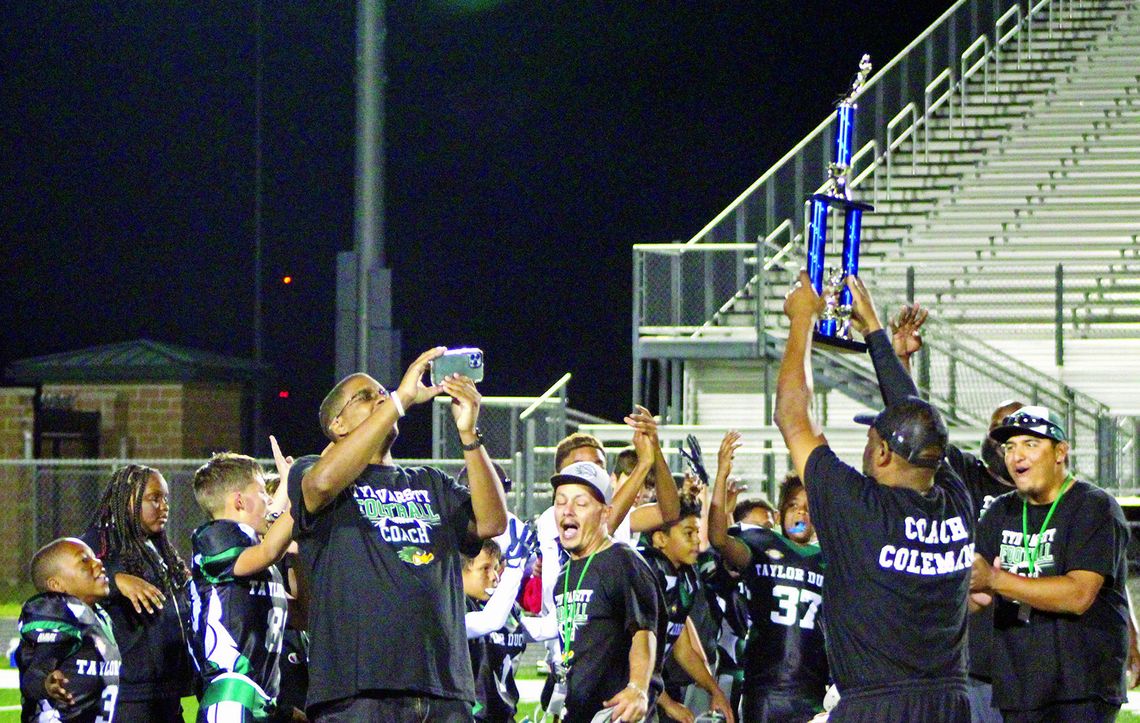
(10, 711)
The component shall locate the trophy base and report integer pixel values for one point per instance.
(836, 343)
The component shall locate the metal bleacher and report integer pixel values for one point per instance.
(1001, 150)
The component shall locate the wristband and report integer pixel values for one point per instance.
(476, 444)
(398, 404)
(639, 689)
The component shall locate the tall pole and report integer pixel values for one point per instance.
(258, 322)
(369, 221)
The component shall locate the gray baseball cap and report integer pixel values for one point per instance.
(589, 474)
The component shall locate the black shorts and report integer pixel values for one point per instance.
(942, 700)
(778, 707)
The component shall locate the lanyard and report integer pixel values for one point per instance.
(568, 623)
(1031, 554)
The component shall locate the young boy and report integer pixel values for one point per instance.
(673, 555)
(494, 654)
(68, 659)
(238, 599)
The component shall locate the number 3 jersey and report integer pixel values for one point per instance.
(238, 621)
(61, 632)
(784, 588)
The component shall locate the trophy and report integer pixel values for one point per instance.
(834, 328)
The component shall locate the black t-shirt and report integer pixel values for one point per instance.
(493, 659)
(897, 577)
(387, 593)
(1060, 656)
(681, 587)
(61, 632)
(984, 489)
(785, 646)
(615, 598)
(238, 622)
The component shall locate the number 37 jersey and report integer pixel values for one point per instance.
(238, 621)
(784, 588)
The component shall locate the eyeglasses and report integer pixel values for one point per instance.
(368, 394)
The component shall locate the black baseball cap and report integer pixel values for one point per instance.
(913, 429)
(1035, 421)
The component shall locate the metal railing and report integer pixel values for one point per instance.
(713, 289)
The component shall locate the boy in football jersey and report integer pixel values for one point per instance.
(673, 557)
(67, 656)
(238, 597)
(785, 664)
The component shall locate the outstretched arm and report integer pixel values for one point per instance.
(668, 506)
(626, 495)
(342, 463)
(895, 383)
(735, 553)
(488, 499)
(794, 383)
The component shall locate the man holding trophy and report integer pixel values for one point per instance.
(897, 536)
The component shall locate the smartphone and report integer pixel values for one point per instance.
(467, 361)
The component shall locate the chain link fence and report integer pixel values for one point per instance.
(41, 500)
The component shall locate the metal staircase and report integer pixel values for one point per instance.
(1001, 190)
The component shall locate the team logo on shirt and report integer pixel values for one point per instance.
(415, 556)
(403, 519)
(1012, 551)
(774, 554)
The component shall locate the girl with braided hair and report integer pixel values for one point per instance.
(149, 604)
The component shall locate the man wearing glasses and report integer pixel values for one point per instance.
(383, 543)
(1051, 559)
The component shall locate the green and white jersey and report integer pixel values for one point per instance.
(238, 621)
(61, 632)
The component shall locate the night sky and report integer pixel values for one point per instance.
(529, 146)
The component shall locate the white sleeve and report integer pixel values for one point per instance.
(494, 614)
(541, 628)
(624, 533)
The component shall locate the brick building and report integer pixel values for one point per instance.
(139, 400)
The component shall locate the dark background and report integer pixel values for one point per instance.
(529, 146)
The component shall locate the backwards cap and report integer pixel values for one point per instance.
(912, 429)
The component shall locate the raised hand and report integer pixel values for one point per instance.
(465, 401)
(864, 318)
(801, 300)
(644, 423)
(906, 334)
(412, 389)
(284, 464)
(731, 442)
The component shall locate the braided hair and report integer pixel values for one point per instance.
(119, 531)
